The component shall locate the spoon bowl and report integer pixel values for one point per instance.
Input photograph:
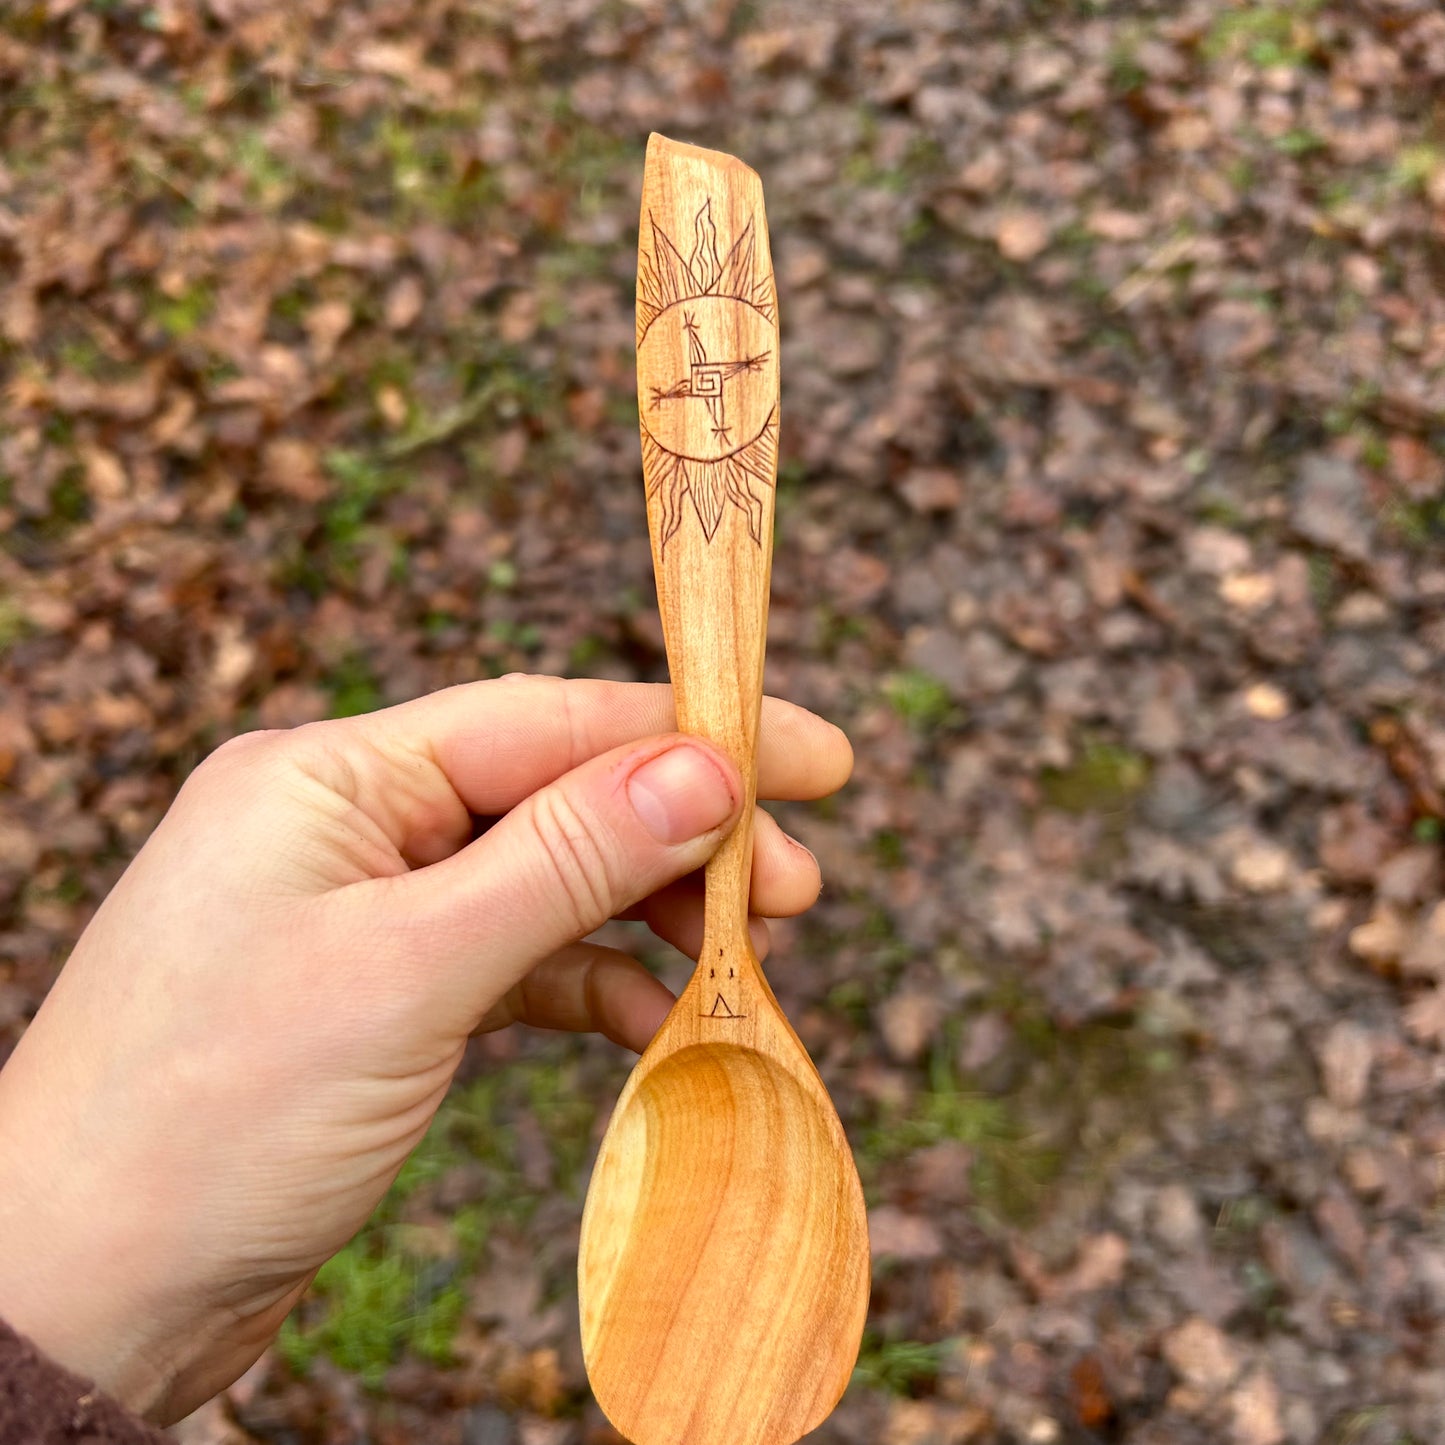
(724, 1202)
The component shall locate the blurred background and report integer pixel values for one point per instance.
(1111, 526)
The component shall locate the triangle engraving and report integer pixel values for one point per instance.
(721, 1010)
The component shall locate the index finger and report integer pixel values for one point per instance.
(498, 741)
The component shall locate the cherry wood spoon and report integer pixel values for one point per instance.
(724, 1259)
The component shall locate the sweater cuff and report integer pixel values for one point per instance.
(42, 1403)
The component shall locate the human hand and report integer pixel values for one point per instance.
(260, 1022)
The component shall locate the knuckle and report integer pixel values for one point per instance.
(242, 751)
(248, 743)
(231, 775)
(577, 859)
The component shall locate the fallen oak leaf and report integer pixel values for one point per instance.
(1424, 954)
(292, 467)
(325, 324)
(1425, 1018)
(1382, 938)
(1021, 234)
(131, 399)
(1408, 762)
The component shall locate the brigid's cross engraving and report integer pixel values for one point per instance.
(706, 380)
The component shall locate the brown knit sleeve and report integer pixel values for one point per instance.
(41, 1403)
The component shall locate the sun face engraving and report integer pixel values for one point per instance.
(709, 325)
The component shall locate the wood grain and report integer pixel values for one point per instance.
(724, 1261)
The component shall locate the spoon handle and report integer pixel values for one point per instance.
(707, 385)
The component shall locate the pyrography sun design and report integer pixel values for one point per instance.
(709, 325)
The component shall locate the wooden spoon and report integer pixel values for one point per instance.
(724, 1260)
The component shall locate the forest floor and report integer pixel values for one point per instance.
(1111, 526)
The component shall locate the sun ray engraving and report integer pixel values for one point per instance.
(708, 322)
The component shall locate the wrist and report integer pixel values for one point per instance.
(73, 1259)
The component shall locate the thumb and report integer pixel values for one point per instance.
(575, 853)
